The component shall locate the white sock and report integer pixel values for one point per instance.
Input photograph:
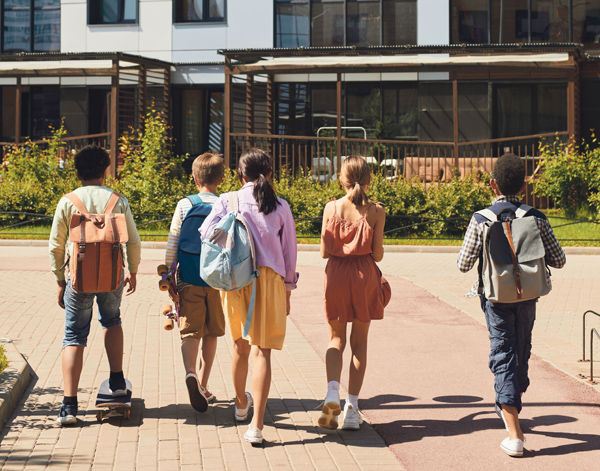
(333, 385)
(353, 400)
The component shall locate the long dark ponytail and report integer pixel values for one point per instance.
(255, 166)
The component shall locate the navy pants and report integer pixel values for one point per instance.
(510, 326)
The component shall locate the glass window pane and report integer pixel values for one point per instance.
(129, 10)
(191, 121)
(469, 21)
(513, 111)
(399, 22)
(586, 24)
(513, 18)
(292, 25)
(46, 25)
(327, 24)
(435, 112)
(17, 26)
(216, 123)
(324, 107)
(45, 110)
(292, 109)
(364, 24)
(363, 108)
(552, 108)
(109, 11)
(399, 111)
(550, 21)
(216, 9)
(473, 112)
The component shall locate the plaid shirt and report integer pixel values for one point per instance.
(473, 241)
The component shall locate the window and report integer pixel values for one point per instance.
(517, 21)
(197, 11)
(327, 23)
(18, 25)
(105, 12)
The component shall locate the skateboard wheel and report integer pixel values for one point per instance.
(163, 285)
(166, 309)
(126, 414)
(99, 416)
(169, 324)
(162, 270)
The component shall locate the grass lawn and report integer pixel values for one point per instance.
(570, 233)
(3, 359)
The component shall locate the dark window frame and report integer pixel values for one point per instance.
(32, 41)
(345, 9)
(205, 7)
(93, 14)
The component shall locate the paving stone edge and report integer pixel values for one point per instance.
(13, 381)
(315, 247)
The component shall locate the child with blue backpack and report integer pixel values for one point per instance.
(271, 225)
(200, 312)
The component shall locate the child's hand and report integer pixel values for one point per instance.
(131, 282)
(61, 293)
(172, 294)
(288, 307)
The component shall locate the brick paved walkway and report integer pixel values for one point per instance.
(164, 432)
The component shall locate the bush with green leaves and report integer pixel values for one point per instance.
(570, 175)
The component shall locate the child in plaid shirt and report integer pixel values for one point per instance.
(510, 324)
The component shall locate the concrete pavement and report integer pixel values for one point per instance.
(426, 417)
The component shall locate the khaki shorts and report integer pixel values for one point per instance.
(200, 312)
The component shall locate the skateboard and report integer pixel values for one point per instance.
(164, 283)
(119, 406)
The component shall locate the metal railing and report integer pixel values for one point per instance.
(583, 339)
(592, 333)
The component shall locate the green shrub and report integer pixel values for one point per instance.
(3, 359)
(570, 176)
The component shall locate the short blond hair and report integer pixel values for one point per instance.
(207, 169)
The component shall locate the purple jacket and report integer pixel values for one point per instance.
(274, 234)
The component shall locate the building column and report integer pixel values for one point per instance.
(114, 118)
(250, 107)
(227, 112)
(455, 117)
(339, 123)
(18, 96)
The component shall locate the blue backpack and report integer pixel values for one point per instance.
(228, 260)
(190, 244)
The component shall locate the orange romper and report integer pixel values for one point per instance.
(352, 278)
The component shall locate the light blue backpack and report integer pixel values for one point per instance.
(227, 259)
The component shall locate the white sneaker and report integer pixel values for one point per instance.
(331, 409)
(253, 436)
(352, 418)
(242, 414)
(512, 447)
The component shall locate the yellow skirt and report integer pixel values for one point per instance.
(267, 328)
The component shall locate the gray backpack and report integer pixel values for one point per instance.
(513, 265)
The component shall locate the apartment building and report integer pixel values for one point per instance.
(68, 59)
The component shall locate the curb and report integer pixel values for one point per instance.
(316, 247)
(13, 381)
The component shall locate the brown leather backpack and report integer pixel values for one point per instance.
(96, 264)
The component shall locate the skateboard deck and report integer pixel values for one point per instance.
(167, 281)
(119, 406)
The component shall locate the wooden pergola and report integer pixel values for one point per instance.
(461, 62)
(128, 74)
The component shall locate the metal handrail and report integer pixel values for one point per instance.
(584, 314)
(592, 332)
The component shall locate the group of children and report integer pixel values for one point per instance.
(351, 241)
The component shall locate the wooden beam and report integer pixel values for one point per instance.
(18, 96)
(114, 118)
(227, 112)
(141, 111)
(270, 107)
(455, 118)
(250, 105)
(339, 123)
(56, 73)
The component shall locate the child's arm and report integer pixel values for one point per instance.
(134, 251)
(555, 255)
(57, 245)
(327, 213)
(173, 239)
(471, 246)
(289, 246)
(377, 253)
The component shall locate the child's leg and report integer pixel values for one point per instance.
(72, 364)
(208, 353)
(239, 369)
(113, 343)
(189, 353)
(525, 320)
(335, 350)
(261, 383)
(358, 365)
(511, 416)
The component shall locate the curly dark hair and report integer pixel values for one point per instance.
(91, 162)
(509, 174)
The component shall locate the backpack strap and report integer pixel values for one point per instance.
(77, 203)
(112, 202)
(233, 201)
(522, 210)
(513, 255)
(488, 214)
(195, 199)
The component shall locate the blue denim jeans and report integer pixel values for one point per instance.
(78, 313)
(510, 326)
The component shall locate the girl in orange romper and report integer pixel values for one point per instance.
(352, 240)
